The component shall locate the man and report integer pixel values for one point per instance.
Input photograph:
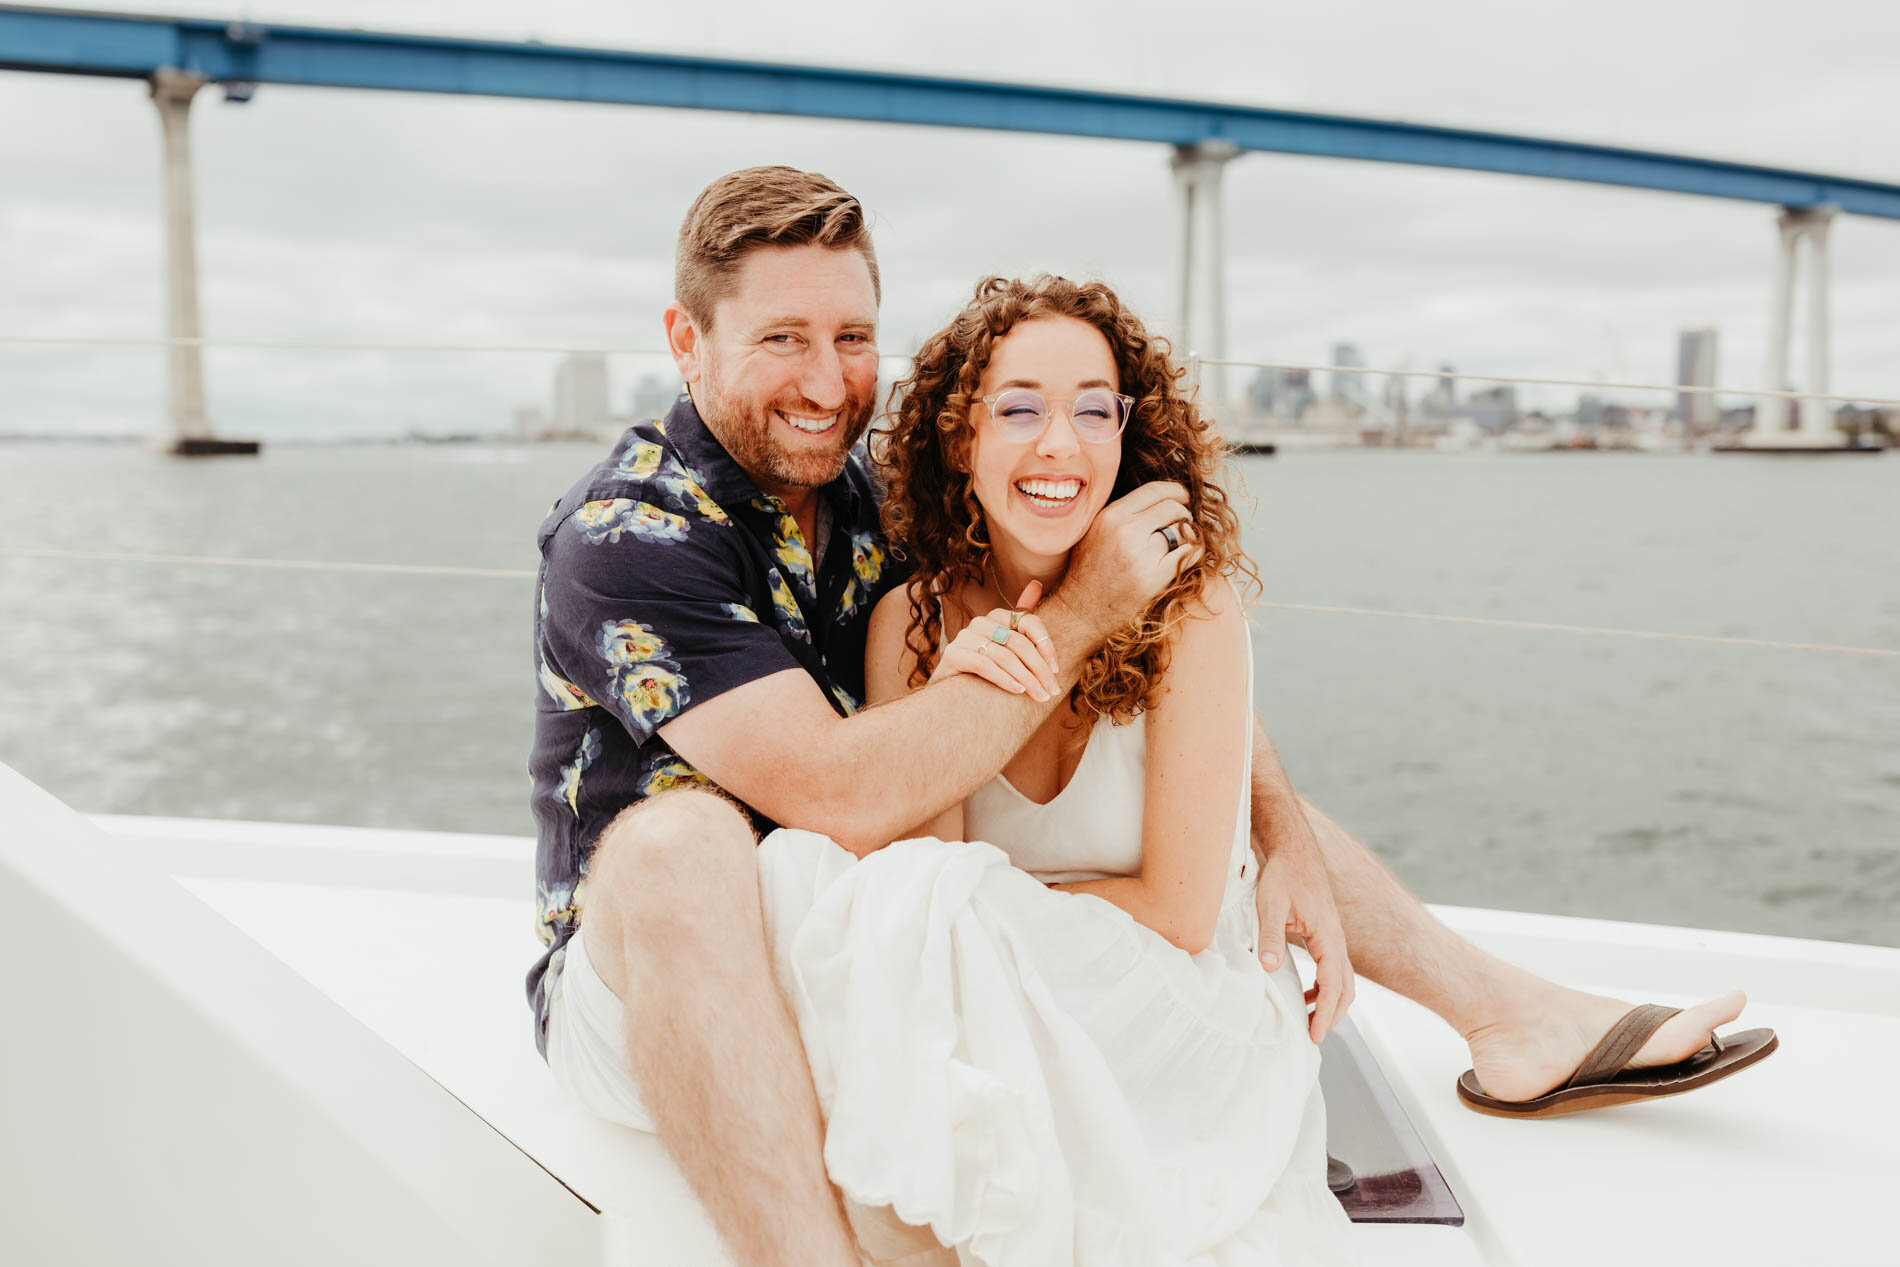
(704, 596)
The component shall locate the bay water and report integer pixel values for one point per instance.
(1660, 781)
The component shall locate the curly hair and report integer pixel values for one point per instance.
(931, 513)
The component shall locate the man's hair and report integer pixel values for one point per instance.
(744, 211)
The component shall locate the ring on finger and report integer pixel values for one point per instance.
(1015, 620)
(1170, 535)
(1001, 634)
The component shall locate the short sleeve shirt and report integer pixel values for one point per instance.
(667, 578)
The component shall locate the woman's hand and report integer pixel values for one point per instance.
(1024, 663)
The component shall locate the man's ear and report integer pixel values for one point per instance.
(683, 338)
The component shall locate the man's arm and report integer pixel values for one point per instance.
(1293, 894)
(863, 780)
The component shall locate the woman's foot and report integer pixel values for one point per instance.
(1539, 1044)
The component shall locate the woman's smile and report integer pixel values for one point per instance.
(1053, 496)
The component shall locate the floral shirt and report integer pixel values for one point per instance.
(668, 578)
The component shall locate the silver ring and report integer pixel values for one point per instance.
(1169, 535)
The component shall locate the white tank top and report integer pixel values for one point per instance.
(1093, 826)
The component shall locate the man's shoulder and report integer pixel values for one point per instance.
(642, 491)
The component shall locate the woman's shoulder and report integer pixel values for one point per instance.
(1218, 602)
(896, 602)
(1212, 643)
(903, 604)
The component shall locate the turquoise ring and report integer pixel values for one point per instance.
(1000, 634)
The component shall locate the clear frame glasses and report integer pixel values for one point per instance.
(1021, 414)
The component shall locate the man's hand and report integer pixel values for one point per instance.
(1294, 896)
(1123, 561)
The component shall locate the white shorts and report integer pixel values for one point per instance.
(587, 1042)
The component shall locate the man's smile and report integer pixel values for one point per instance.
(810, 426)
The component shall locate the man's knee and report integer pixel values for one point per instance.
(673, 859)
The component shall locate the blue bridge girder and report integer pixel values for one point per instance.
(134, 46)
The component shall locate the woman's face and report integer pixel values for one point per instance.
(1041, 495)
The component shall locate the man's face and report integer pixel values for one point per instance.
(787, 377)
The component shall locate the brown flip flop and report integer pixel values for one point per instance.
(1602, 1080)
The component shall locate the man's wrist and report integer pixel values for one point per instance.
(1076, 635)
(1282, 833)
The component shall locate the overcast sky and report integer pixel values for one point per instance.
(360, 216)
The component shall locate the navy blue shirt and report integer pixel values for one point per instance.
(667, 578)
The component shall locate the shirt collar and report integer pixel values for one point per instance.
(724, 480)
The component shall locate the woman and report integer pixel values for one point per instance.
(1039, 1026)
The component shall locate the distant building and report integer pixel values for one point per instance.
(1264, 391)
(1394, 394)
(1298, 387)
(1695, 367)
(1348, 387)
(531, 421)
(1443, 396)
(1589, 411)
(1493, 408)
(580, 395)
(653, 396)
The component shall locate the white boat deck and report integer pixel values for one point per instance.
(424, 939)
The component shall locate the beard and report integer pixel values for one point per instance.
(749, 431)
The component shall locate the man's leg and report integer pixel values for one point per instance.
(675, 928)
(1527, 1035)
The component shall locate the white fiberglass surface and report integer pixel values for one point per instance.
(439, 976)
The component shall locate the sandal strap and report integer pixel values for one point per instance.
(1621, 1044)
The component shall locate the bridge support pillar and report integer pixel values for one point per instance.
(1200, 312)
(1815, 426)
(185, 433)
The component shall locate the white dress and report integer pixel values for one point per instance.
(1034, 1075)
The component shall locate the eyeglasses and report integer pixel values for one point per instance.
(1022, 415)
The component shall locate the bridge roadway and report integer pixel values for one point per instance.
(242, 53)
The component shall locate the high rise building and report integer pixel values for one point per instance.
(1695, 367)
(1265, 391)
(1298, 388)
(580, 395)
(1348, 387)
(1589, 411)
